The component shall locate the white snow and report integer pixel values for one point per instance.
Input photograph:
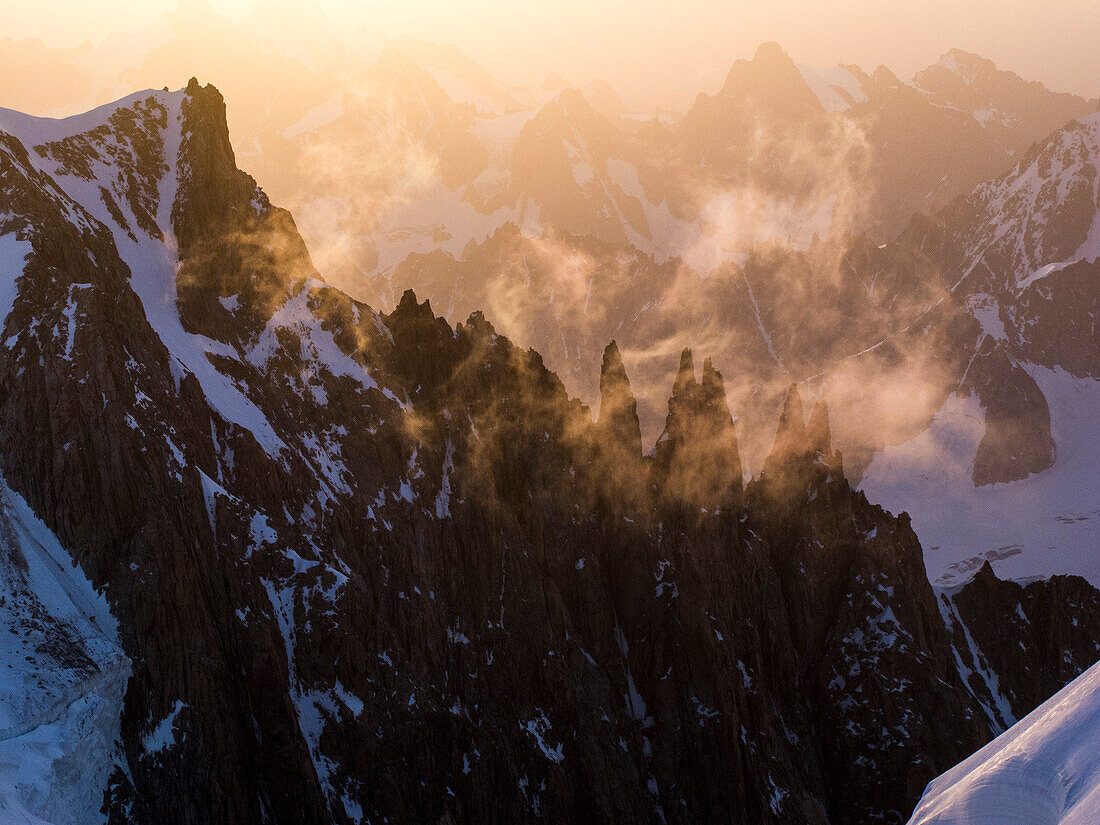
(583, 172)
(316, 117)
(1046, 524)
(1045, 770)
(318, 347)
(59, 720)
(760, 323)
(986, 311)
(999, 713)
(828, 84)
(1018, 205)
(436, 217)
(443, 497)
(461, 90)
(950, 62)
(539, 729)
(33, 131)
(314, 707)
(13, 259)
(163, 735)
(668, 235)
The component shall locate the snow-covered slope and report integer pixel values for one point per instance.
(1046, 524)
(1041, 216)
(121, 145)
(1043, 771)
(62, 678)
(837, 88)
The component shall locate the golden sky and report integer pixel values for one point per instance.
(669, 50)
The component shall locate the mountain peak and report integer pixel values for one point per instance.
(711, 380)
(685, 375)
(770, 83)
(612, 358)
(770, 52)
(618, 407)
(965, 64)
(697, 454)
(572, 99)
(554, 82)
(792, 424)
(958, 68)
(885, 77)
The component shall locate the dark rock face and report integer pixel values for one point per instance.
(404, 577)
(618, 407)
(1059, 313)
(1030, 636)
(1017, 439)
(697, 460)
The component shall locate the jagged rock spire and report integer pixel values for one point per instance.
(618, 408)
(711, 382)
(612, 372)
(685, 376)
(697, 454)
(408, 300)
(802, 457)
(230, 240)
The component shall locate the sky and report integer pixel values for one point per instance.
(665, 51)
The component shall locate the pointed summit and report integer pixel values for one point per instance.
(230, 240)
(697, 454)
(711, 381)
(685, 375)
(410, 312)
(618, 408)
(771, 83)
(408, 301)
(554, 82)
(985, 575)
(802, 457)
(771, 53)
(612, 371)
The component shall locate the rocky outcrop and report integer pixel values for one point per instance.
(618, 418)
(1033, 638)
(239, 255)
(1017, 440)
(697, 461)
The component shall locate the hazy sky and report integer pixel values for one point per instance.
(675, 47)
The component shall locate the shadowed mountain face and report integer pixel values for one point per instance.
(378, 567)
